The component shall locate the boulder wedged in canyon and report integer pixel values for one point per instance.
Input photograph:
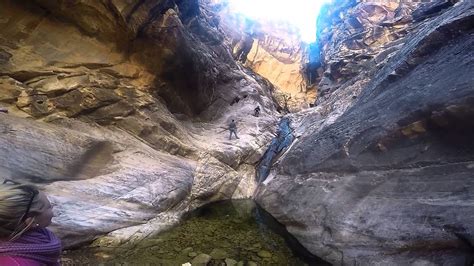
(381, 173)
(119, 111)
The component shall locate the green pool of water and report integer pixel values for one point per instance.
(231, 232)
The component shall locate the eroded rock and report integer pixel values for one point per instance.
(137, 96)
(386, 175)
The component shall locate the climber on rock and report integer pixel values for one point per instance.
(256, 111)
(233, 129)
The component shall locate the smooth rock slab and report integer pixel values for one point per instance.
(201, 259)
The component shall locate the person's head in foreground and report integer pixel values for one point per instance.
(25, 212)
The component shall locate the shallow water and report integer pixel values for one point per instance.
(235, 230)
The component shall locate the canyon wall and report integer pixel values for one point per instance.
(272, 49)
(119, 111)
(380, 172)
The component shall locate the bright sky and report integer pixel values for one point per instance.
(300, 13)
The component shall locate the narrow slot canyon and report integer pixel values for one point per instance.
(227, 132)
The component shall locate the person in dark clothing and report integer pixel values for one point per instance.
(233, 129)
(256, 111)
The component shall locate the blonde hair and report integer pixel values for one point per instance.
(14, 201)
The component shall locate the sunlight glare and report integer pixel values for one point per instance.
(300, 13)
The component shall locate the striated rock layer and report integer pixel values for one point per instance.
(274, 50)
(360, 36)
(381, 172)
(119, 109)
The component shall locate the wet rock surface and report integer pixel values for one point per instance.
(279, 143)
(382, 173)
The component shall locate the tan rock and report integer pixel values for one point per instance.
(54, 85)
(414, 129)
(84, 99)
(124, 70)
(10, 89)
(264, 254)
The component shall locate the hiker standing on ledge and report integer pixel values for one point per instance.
(233, 129)
(256, 111)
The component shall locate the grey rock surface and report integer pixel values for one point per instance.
(119, 111)
(385, 178)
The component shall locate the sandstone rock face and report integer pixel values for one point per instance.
(281, 61)
(381, 171)
(272, 49)
(119, 110)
